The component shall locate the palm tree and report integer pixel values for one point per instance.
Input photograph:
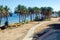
(43, 11)
(59, 13)
(46, 11)
(6, 14)
(20, 10)
(1, 8)
(30, 12)
(49, 12)
(36, 10)
(25, 13)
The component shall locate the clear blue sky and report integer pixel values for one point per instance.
(55, 4)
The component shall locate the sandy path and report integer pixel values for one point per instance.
(31, 31)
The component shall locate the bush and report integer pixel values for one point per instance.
(47, 19)
(26, 21)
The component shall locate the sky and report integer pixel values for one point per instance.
(55, 4)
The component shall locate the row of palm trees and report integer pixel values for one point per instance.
(46, 11)
(22, 10)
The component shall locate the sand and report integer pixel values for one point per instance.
(17, 33)
(20, 32)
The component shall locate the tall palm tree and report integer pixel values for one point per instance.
(20, 10)
(43, 11)
(1, 9)
(36, 10)
(6, 13)
(30, 12)
(49, 11)
(59, 13)
(25, 13)
(46, 11)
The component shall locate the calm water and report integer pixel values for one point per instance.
(15, 18)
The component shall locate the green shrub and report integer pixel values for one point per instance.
(47, 19)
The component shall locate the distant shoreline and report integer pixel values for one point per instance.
(15, 18)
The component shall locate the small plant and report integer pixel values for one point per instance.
(26, 21)
(47, 19)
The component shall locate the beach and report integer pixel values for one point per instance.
(20, 32)
(16, 33)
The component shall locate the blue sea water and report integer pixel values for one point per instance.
(15, 18)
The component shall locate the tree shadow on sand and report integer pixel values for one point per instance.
(41, 33)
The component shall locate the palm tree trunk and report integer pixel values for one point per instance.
(33, 16)
(25, 18)
(50, 17)
(36, 14)
(6, 18)
(22, 17)
(6, 23)
(39, 15)
(19, 18)
(0, 20)
(30, 17)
